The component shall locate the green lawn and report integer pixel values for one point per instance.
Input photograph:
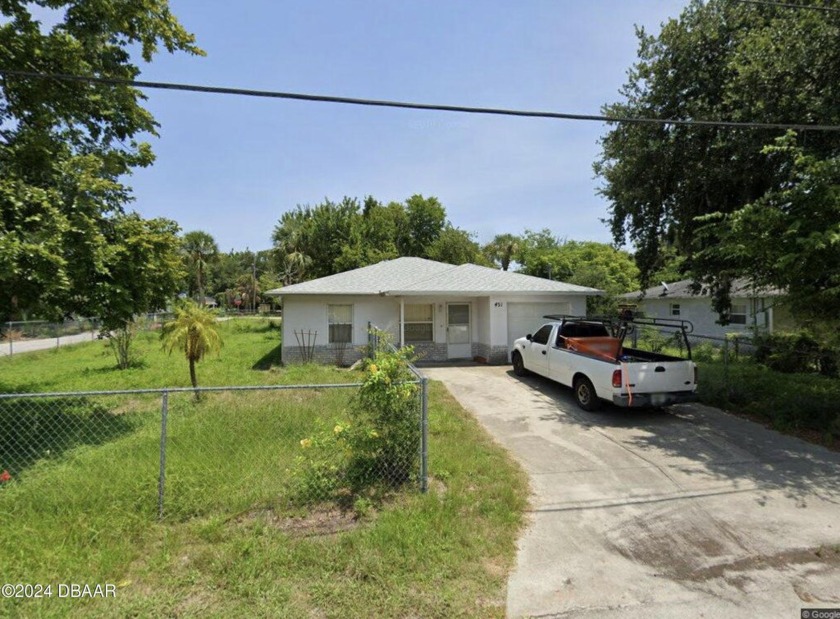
(229, 546)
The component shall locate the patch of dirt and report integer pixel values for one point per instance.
(678, 551)
(778, 561)
(437, 486)
(712, 551)
(319, 520)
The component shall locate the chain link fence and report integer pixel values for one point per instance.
(24, 336)
(182, 453)
(782, 352)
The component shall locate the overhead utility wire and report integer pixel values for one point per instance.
(788, 5)
(414, 106)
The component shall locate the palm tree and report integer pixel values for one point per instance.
(294, 267)
(200, 249)
(195, 331)
(502, 249)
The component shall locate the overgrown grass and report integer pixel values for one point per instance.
(790, 403)
(801, 404)
(229, 546)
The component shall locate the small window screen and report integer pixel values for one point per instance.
(341, 323)
(419, 325)
(675, 309)
(738, 314)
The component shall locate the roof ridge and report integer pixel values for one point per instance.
(420, 281)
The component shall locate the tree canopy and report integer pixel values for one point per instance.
(585, 263)
(65, 148)
(725, 198)
(333, 237)
(200, 251)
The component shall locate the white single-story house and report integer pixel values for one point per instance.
(752, 308)
(444, 311)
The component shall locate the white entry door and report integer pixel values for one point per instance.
(458, 342)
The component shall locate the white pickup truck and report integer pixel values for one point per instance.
(589, 355)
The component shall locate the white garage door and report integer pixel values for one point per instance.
(525, 318)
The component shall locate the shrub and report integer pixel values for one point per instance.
(705, 352)
(653, 340)
(798, 352)
(121, 342)
(376, 448)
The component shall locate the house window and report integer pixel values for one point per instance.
(341, 323)
(419, 323)
(675, 309)
(738, 314)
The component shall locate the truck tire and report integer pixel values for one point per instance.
(518, 364)
(585, 395)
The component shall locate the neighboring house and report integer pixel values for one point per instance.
(751, 307)
(444, 311)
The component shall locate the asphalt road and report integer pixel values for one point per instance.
(22, 346)
(689, 512)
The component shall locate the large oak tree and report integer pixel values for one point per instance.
(65, 149)
(734, 202)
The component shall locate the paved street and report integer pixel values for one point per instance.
(690, 512)
(22, 346)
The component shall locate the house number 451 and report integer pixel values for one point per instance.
(498, 304)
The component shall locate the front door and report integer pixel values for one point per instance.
(458, 341)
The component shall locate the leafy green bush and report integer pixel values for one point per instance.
(653, 340)
(789, 401)
(377, 447)
(705, 352)
(798, 352)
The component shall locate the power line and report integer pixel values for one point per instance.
(788, 5)
(270, 94)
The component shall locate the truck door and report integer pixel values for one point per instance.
(537, 351)
(559, 364)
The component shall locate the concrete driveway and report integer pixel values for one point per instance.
(684, 513)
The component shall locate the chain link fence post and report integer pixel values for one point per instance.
(9, 335)
(424, 435)
(726, 365)
(164, 413)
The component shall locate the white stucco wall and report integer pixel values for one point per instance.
(499, 311)
(488, 316)
(700, 313)
(482, 320)
(309, 313)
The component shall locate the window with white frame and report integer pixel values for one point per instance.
(674, 309)
(738, 314)
(341, 323)
(419, 323)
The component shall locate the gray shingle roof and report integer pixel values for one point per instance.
(742, 288)
(415, 276)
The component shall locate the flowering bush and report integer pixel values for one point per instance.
(4, 477)
(377, 446)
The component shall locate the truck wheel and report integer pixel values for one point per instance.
(585, 395)
(518, 364)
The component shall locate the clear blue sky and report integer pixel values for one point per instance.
(231, 166)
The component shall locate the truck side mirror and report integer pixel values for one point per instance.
(528, 337)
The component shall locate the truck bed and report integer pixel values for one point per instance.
(631, 355)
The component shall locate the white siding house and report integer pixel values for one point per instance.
(751, 308)
(444, 311)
